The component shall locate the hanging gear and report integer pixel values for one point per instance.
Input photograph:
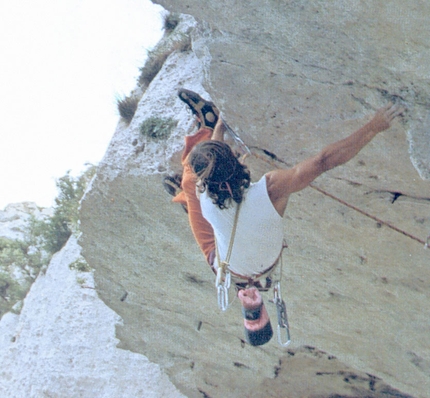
(223, 276)
(281, 310)
(257, 326)
(258, 329)
(222, 284)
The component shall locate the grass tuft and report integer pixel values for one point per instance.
(127, 107)
(152, 66)
(170, 22)
(157, 58)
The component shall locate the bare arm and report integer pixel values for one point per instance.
(282, 183)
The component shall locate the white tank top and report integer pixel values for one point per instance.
(259, 234)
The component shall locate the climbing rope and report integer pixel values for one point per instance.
(283, 330)
(223, 276)
(389, 225)
(324, 192)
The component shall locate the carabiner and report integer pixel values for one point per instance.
(283, 323)
(222, 289)
(222, 298)
(281, 310)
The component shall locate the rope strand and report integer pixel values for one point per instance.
(382, 222)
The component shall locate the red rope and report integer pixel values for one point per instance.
(382, 222)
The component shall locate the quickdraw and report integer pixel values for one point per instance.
(281, 310)
(222, 284)
(223, 276)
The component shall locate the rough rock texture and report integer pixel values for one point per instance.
(14, 218)
(63, 343)
(290, 77)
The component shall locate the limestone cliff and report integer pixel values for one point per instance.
(290, 77)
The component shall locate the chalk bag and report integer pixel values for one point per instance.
(258, 330)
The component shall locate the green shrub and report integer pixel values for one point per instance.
(170, 22)
(10, 292)
(157, 127)
(127, 107)
(28, 259)
(21, 254)
(54, 233)
(80, 265)
(42, 238)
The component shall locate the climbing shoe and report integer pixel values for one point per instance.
(172, 185)
(206, 111)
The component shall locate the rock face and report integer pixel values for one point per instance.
(290, 77)
(14, 218)
(63, 343)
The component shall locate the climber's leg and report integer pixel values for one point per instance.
(201, 229)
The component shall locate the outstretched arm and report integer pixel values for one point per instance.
(282, 183)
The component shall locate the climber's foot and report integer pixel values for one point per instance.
(206, 111)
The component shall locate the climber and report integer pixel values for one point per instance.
(215, 182)
(222, 181)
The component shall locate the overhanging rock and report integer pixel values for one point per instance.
(290, 77)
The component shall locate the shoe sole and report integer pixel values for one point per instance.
(206, 111)
(171, 185)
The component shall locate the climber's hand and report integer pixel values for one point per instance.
(384, 116)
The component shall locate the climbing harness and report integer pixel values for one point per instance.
(223, 283)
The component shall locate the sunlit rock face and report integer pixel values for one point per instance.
(63, 342)
(15, 216)
(289, 77)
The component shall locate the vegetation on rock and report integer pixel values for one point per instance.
(22, 260)
(170, 22)
(157, 127)
(157, 58)
(55, 232)
(80, 265)
(127, 107)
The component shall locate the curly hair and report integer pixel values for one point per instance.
(220, 172)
